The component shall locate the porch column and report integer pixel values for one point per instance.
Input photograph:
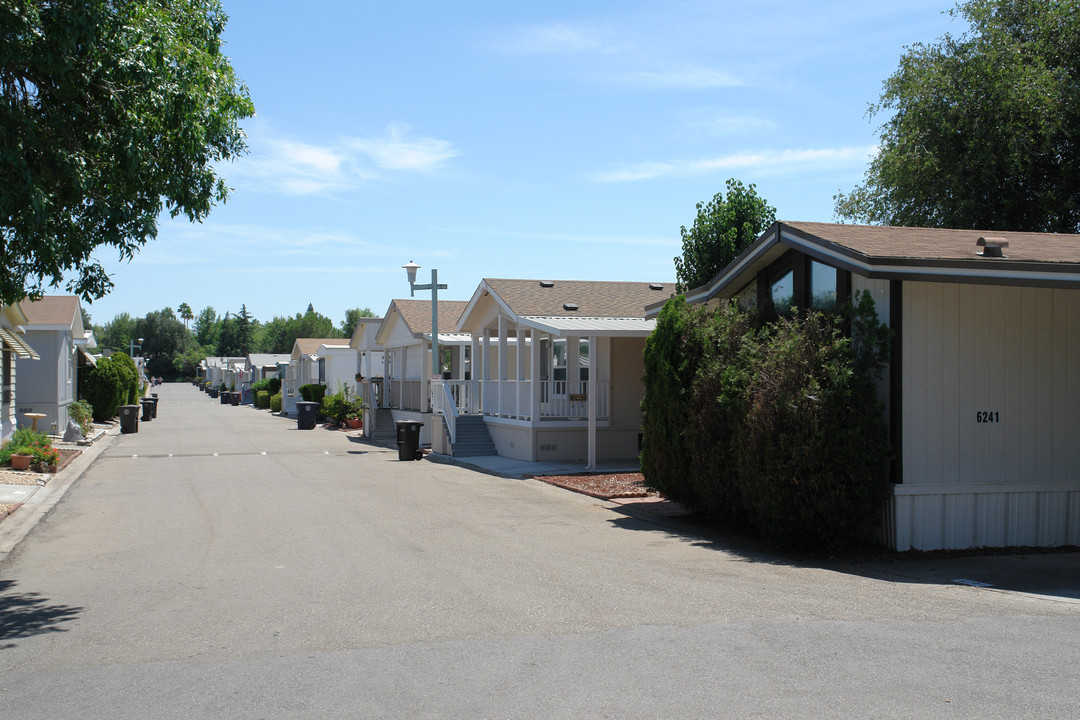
(425, 375)
(592, 401)
(502, 364)
(519, 401)
(573, 366)
(485, 373)
(474, 376)
(534, 377)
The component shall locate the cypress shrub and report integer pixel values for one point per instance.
(775, 425)
(104, 388)
(262, 399)
(313, 392)
(275, 402)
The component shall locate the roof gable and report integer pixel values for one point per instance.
(59, 310)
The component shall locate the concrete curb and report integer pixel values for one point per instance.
(17, 526)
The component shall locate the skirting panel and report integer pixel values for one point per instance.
(1010, 517)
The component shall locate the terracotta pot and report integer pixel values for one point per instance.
(354, 424)
(21, 462)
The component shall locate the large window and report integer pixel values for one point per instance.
(822, 286)
(783, 293)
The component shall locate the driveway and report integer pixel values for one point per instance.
(222, 563)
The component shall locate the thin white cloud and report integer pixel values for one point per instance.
(555, 39)
(689, 78)
(621, 240)
(771, 162)
(395, 151)
(737, 124)
(294, 167)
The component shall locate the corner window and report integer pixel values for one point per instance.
(783, 292)
(822, 286)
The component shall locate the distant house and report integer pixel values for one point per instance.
(557, 367)
(54, 328)
(984, 383)
(262, 366)
(405, 337)
(369, 365)
(304, 369)
(12, 345)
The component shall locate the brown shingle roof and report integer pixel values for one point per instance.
(875, 241)
(417, 314)
(308, 346)
(51, 310)
(528, 298)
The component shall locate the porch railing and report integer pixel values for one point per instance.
(559, 399)
(443, 403)
(404, 394)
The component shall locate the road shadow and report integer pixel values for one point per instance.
(1048, 572)
(25, 614)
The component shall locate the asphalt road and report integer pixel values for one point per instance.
(222, 563)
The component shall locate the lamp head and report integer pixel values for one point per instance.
(411, 269)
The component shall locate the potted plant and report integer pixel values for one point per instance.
(353, 420)
(359, 377)
(21, 459)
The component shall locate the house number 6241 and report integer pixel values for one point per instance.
(984, 416)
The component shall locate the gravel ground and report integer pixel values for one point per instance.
(605, 487)
(29, 477)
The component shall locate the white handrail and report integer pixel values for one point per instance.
(450, 412)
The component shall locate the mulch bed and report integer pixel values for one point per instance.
(604, 487)
(29, 477)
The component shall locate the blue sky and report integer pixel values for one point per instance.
(543, 140)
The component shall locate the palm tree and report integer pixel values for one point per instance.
(185, 313)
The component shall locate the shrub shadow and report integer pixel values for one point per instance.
(1047, 572)
(25, 614)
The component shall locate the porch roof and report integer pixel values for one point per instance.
(595, 326)
(451, 338)
(17, 345)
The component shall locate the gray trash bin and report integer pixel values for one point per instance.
(408, 439)
(147, 408)
(129, 418)
(305, 414)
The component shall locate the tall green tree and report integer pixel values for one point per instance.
(723, 228)
(983, 130)
(164, 338)
(110, 112)
(352, 318)
(185, 313)
(117, 333)
(207, 326)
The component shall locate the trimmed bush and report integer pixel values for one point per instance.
(275, 402)
(313, 392)
(104, 387)
(262, 399)
(777, 426)
(275, 385)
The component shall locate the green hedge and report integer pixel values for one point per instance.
(262, 399)
(275, 402)
(313, 392)
(776, 426)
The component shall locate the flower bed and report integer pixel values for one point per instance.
(604, 487)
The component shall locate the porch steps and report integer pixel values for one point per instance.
(385, 431)
(473, 438)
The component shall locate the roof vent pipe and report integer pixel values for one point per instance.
(547, 283)
(570, 306)
(992, 246)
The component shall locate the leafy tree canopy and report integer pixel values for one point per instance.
(723, 228)
(110, 111)
(352, 318)
(982, 129)
(164, 337)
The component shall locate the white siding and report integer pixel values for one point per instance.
(1011, 352)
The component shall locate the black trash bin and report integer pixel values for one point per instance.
(305, 414)
(129, 418)
(223, 397)
(234, 398)
(147, 408)
(153, 407)
(408, 439)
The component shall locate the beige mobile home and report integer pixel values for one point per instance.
(984, 383)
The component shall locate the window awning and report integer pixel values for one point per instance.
(89, 359)
(17, 345)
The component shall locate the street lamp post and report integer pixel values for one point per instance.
(434, 287)
(132, 345)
